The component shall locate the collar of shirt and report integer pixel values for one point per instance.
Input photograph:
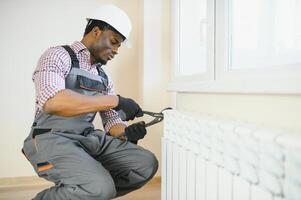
(80, 48)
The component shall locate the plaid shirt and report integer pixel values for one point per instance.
(52, 69)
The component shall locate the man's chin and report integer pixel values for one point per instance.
(102, 61)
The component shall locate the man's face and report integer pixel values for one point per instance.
(105, 46)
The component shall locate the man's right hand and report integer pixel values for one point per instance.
(129, 107)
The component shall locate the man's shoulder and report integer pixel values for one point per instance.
(56, 52)
(52, 57)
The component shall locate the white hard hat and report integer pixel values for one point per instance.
(116, 18)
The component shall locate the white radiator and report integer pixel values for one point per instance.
(205, 158)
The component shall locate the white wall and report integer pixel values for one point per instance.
(155, 59)
(27, 29)
(272, 111)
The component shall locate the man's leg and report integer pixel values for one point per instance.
(76, 174)
(131, 166)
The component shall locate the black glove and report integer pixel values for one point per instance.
(135, 131)
(130, 108)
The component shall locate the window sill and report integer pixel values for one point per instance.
(283, 87)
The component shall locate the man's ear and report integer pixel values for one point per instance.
(96, 32)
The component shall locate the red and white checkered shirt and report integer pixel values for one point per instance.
(52, 69)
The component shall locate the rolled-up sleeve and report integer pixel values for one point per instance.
(49, 76)
(110, 117)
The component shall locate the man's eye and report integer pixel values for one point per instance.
(114, 41)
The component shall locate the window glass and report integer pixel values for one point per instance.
(264, 33)
(193, 37)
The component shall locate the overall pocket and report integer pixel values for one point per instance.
(41, 140)
(30, 147)
(90, 84)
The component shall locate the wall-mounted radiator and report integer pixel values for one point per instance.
(205, 158)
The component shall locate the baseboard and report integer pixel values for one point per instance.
(23, 182)
(34, 181)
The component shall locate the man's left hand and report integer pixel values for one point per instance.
(135, 131)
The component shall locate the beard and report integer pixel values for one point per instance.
(101, 61)
(97, 59)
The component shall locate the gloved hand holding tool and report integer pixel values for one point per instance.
(137, 130)
(128, 109)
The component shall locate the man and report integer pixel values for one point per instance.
(71, 87)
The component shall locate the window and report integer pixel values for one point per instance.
(249, 46)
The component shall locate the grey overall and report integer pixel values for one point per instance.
(84, 163)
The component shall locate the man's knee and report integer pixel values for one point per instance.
(149, 165)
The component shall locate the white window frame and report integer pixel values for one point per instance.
(272, 80)
(179, 80)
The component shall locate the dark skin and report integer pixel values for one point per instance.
(103, 46)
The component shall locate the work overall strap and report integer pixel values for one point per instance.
(74, 60)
